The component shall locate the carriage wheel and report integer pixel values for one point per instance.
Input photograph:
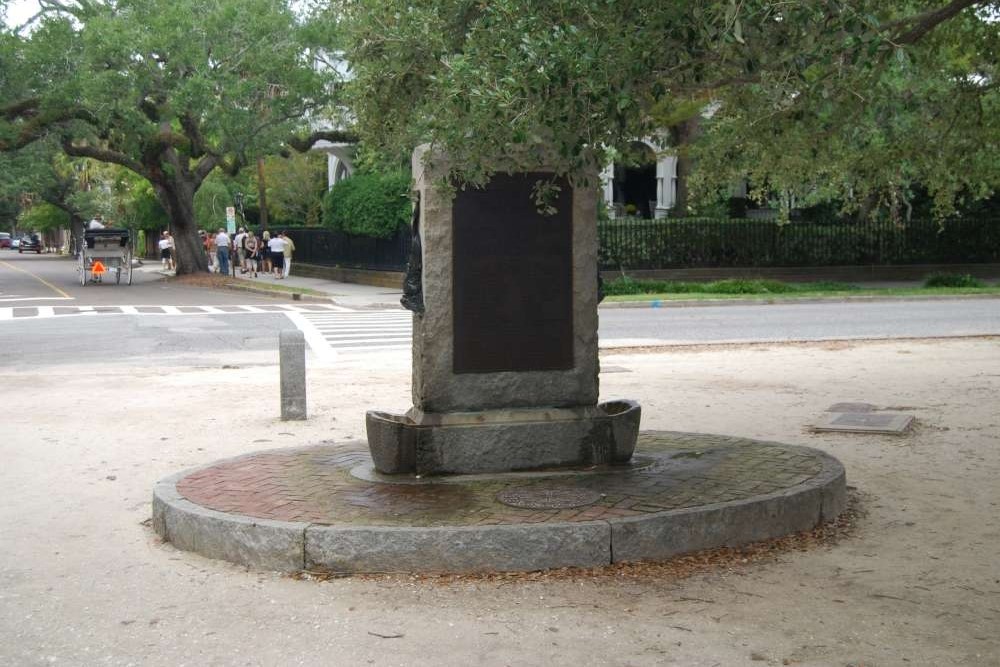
(128, 266)
(83, 269)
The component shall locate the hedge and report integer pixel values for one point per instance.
(373, 205)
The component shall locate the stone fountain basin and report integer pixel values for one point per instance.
(503, 440)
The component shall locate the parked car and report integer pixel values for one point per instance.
(31, 243)
(15, 243)
(5, 240)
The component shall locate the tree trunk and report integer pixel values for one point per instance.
(262, 193)
(76, 226)
(681, 136)
(177, 199)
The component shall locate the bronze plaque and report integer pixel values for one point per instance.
(513, 278)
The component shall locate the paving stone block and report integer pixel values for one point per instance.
(458, 549)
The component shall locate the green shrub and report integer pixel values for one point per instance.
(623, 285)
(830, 286)
(375, 205)
(952, 280)
(746, 286)
(628, 285)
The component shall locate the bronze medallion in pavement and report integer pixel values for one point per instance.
(539, 497)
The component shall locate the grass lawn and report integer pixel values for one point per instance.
(275, 287)
(652, 290)
(214, 280)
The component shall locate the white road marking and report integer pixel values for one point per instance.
(313, 337)
(356, 332)
(36, 312)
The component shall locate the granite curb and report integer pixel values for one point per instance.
(293, 296)
(775, 301)
(289, 546)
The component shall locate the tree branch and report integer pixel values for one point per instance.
(205, 167)
(22, 109)
(921, 24)
(193, 132)
(40, 122)
(104, 155)
(302, 144)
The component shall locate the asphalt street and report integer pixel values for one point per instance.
(34, 280)
(914, 318)
(160, 323)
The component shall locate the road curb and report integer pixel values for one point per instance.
(293, 296)
(774, 301)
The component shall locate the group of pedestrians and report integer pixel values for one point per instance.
(251, 254)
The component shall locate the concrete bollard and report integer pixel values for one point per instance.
(292, 359)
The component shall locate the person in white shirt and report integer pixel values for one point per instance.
(166, 245)
(277, 246)
(222, 251)
(95, 223)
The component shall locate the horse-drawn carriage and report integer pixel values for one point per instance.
(106, 251)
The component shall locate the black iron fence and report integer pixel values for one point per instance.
(325, 247)
(714, 243)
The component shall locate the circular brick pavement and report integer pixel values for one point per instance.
(303, 509)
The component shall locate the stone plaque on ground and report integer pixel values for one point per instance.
(865, 422)
(547, 497)
(851, 407)
(513, 277)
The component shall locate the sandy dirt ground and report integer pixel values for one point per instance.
(84, 581)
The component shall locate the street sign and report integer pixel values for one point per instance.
(230, 219)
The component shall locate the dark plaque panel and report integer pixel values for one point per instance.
(513, 278)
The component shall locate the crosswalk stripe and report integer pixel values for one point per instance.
(37, 312)
(365, 327)
(313, 337)
(330, 335)
(371, 348)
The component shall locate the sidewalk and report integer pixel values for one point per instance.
(343, 294)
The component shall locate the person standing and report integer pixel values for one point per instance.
(166, 251)
(208, 244)
(222, 251)
(173, 251)
(277, 246)
(252, 251)
(239, 246)
(289, 249)
(265, 252)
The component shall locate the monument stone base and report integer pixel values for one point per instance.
(502, 440)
